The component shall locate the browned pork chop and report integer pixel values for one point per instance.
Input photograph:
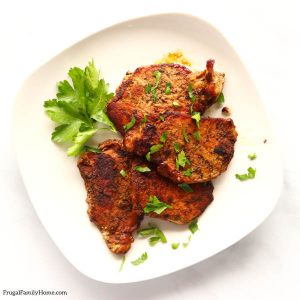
(189, 154)
(154, 90)
(116, 203)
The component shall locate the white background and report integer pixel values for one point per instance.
(265, 264)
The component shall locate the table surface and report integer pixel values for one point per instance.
(266, 263)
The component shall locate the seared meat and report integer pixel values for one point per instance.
(116, 203)
(185, 206)
(157, 89)
(110, 205)
(185, 157)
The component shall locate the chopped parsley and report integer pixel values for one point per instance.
(196, 116)
(153, 149)
(148, 156)
(181, 160)
(188, 172)
(155, 205)
(191, 94)
(130, 124)
(193, 226)
(185, 136)
(187, 188)
(123, 173)
(152, 89)
(144, 120)
(176, 147)
(122, 263)
(142, 169)
(175, 246)
(176, 104)
(250, 175)
(163, 137)
(162, 118)
(252, 156)
(197, 135)
(188, 242)
(154, 233)
(168, 88)
(221, 99)
(140, 260)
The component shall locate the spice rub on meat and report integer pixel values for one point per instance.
(157, 89)
(188, 153)
(116, 203)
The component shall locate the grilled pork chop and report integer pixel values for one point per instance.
(116, 203)
(154, 90)
(189, 154)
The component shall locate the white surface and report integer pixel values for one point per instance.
(264, 265)
(237, 208)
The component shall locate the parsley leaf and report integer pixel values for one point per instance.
(162, 118)
(142, 169)
(176, 104)
(152, 89)
(197, 135)
(168, 88)
(155, 205)
(191, 94)
(187, 188)
(193, 226)
(78, 107)
(155, 148)
(130, 124)
(155, 233)
(221, 99)
(163, 137)
(175, 246)
(148, 156)
(140, 260)
(176, 147)
(91, 149)
(123, 173)
(181, 160)
(144, 120)
(148, 88)
(196, 117)
(252, 156)
(185, 135)
(251, 174)
(188, 172)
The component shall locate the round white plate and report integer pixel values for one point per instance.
(57, 191)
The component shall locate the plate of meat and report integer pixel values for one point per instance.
(162, 173)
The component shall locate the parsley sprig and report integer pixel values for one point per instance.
(251, 175)
(155, 205)
(154, 233)
(78, 107)
(152, 89)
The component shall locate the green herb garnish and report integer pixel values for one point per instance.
(123, 173)
(250, 175)
(181, 160)
(188, 172)
(91, 149)
(148, 88)
(168, 88)
(193, 226)
(176, 147)
(188, 242)
(185, 135)
(142, 169)
(176, 104)
(144, 120)
(197, 117)
(221, 99)
(175, 245)
(163, 137)
(187, 188)
(140, 260)
(155, 205)
(153, 230)
(130, 124)
(162, 118)
(153, 149)
(122, 263)
(252, 156)
(197, 135)
(148, 156)
(191, 94)
(78, 107)
(152, 89)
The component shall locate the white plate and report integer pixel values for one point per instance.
(57, 191)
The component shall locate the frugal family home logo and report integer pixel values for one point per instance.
(33, 293)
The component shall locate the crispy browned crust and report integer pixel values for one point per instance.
(208, 157)
(185, 206)
(110, 205)
(115, 203)
(131, 98)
